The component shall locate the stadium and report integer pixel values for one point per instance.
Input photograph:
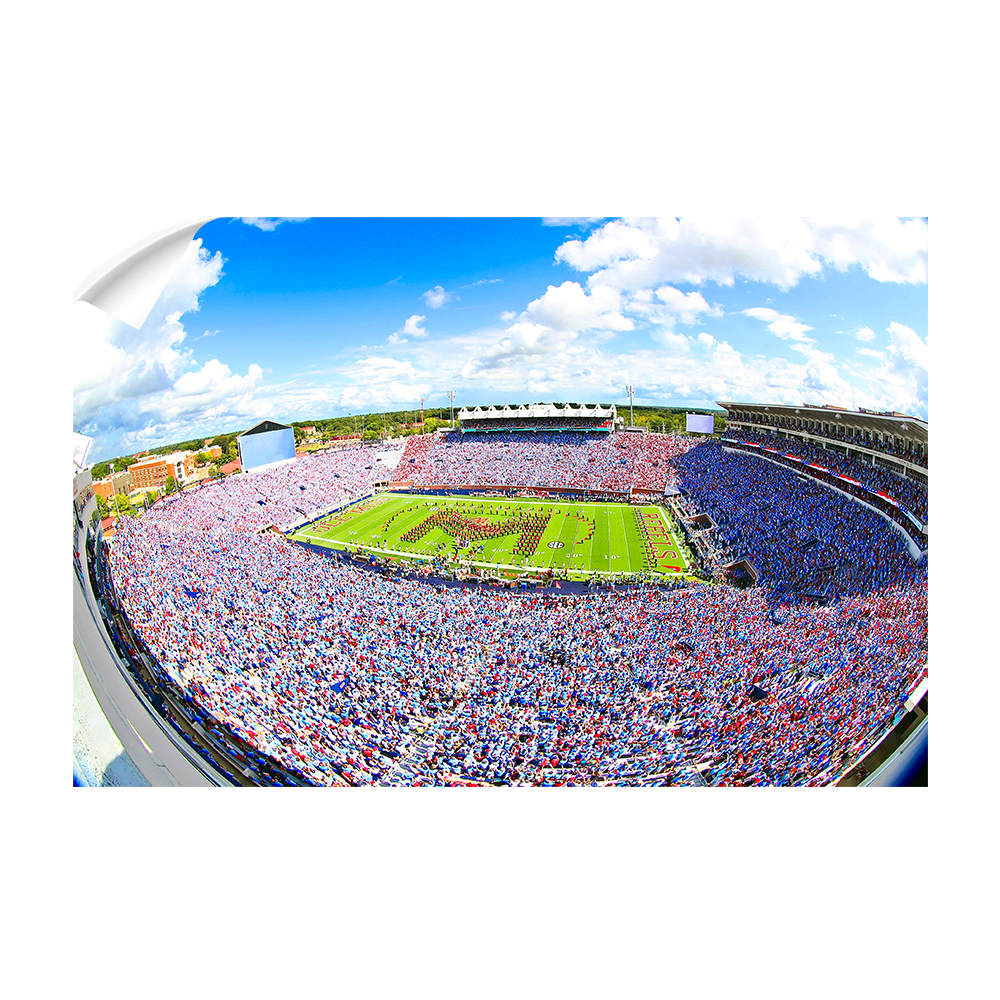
(540, 596)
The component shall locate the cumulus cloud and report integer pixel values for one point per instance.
(666, 305)
(158, 409)
(675, 342)
(383, 381)
(569, 307)
(268, 225)
(215, 379)
(785, 327)
(865, 334)
(125, 379)
(548, 363)
(436, 297)
(906, 347)
(899, 380)
(686, 306)
(411, 328)
(523, 341)
(629, 254)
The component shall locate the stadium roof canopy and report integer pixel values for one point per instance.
(538, 410)
(264, 426)
(888, 422)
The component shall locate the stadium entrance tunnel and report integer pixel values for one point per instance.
(701, 522)
(742, 573)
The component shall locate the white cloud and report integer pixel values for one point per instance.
(675, 342)
(383, 381)
(785, 327)
(436, 297)
(822, 381)
(411, 328)
(899, 381)
(572, 221)
(507, 316)
(268, 225)
(523, 342)
(865, 334)
(547, 362)
(124, 378)
(907, 349)
(569, 307)
(630, 254)
(481, 281)
(214, 379)
(687, 306)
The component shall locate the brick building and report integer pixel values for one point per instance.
(152, 472)
(117, 482)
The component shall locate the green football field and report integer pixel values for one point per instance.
(510, 535)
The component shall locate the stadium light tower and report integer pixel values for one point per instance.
(451, 409)
(631, 409)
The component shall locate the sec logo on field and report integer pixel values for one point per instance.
(556, 545)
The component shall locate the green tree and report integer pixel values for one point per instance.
(214, 473)
(151, 496)
(170, 485)
(102, 506)
(100, 470)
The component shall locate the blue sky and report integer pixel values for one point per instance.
(292, 319)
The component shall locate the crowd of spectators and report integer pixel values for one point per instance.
(280, 496)
(571, 460)
(910, 493)
(848, 435)
(356, 678)
(801, 537)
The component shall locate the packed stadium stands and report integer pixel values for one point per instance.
(804, 538)
(280, 496)
(351, 677)
(911, 493)
(569, 460)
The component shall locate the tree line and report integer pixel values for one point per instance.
(227, 442)
(391, 423)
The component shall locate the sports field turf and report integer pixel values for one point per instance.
(513, 535)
